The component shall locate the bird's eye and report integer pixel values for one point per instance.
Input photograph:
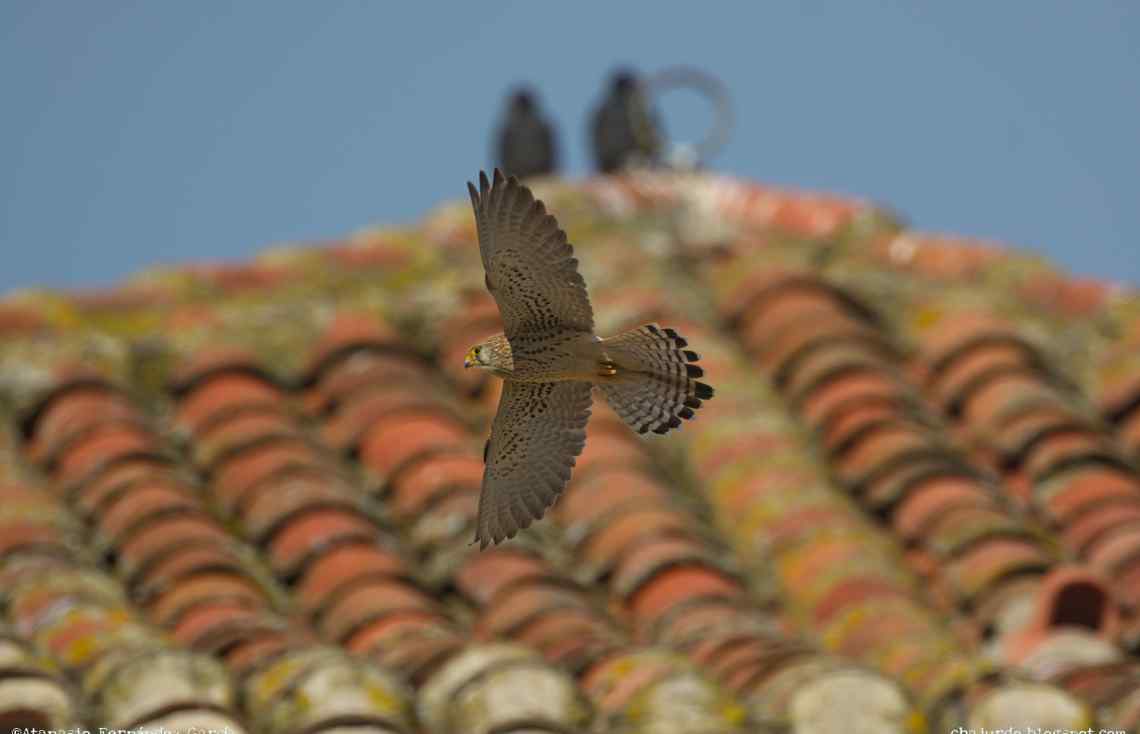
(480, 353)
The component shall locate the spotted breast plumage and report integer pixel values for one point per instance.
(549, 359)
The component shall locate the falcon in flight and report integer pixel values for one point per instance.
(549, 358)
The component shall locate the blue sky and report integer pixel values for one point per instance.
(136, 133)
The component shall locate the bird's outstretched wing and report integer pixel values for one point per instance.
(530, 267)
(537, 434)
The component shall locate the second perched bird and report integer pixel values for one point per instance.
(624, 129)
(526, 142)
(550, 358)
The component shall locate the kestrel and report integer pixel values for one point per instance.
(549, 358)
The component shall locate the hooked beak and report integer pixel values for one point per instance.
(469, 359)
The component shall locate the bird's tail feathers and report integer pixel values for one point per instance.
(651, 379)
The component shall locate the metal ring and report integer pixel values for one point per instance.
(710, 87)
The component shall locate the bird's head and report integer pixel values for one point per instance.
(493, 355)
(624, 80)
(523, 99)
(478, 356)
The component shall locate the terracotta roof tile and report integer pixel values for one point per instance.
(252, 507)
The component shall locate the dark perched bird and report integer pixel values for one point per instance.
(624, 129)
(526, 142)
(550, 359)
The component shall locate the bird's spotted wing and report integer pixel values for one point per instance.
(530, 267)
(537, 434)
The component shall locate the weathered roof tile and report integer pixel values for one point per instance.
(275, 466)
